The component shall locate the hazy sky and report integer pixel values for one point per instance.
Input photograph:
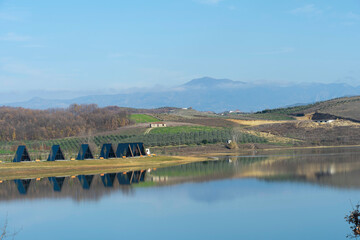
(92, 45)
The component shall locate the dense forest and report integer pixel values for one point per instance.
(27, 124)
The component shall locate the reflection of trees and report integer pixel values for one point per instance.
(5, 234)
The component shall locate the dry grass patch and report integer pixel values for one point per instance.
(24, 170)
(273, 138)
(336, 123)
(255, 122)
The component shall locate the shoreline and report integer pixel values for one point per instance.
(290, 148)
(215, 150)
(31, 170)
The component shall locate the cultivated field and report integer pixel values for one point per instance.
(142, 118)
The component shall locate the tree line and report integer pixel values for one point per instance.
(76, 120)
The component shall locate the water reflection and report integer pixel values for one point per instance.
(57, 183)
(86, 181)
(77, 187)
(108, 179)
(338, 168)
(22, 185)
(125, 178)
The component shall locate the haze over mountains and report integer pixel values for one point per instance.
(208, 94)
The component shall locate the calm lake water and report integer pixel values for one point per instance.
(286, 195)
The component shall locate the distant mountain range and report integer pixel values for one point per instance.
(209, 94)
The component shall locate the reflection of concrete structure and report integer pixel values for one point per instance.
(57, 183)
(90, 187)
(159, 179)
(108, 179)
(86, 181)
(125, 178)
(22, 185)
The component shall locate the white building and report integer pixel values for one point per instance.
(157, 124)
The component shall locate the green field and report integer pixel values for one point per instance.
(169, 136)
(142, 118)
(182, 129)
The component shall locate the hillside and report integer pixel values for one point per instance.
(28, 124)
(345, 107)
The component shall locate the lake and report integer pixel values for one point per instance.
(302, 194)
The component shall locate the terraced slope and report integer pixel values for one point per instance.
(346, 107)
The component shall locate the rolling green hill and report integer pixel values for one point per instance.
(143, 118)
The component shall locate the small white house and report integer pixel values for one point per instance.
(157, 124)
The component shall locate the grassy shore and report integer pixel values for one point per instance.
(24, 170)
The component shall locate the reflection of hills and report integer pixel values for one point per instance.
(336, 169)
(332, 167)
(78, 188)
(202, 171)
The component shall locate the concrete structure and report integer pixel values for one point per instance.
(107, 151)
(85, 152)
(22, 154)
(56, 153)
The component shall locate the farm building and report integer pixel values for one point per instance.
(323, 118)
(21, 154)
(130, 149)
(56, 153)
(107, 151)
(157, 124)
(85, 152)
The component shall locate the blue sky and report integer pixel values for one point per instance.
(93, 45)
